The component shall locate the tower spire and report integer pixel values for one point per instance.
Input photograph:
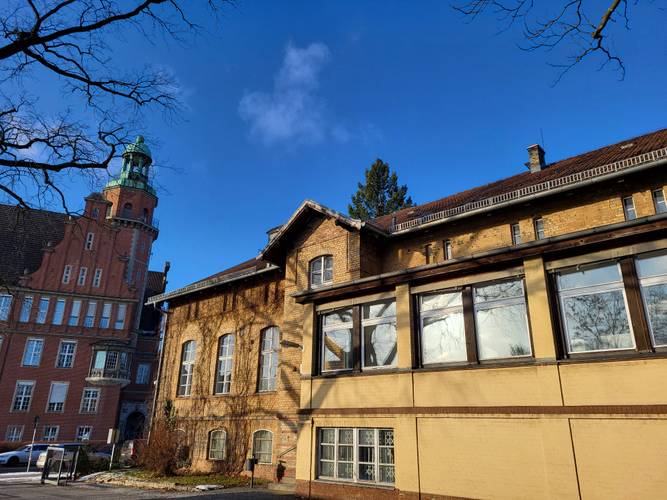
(136, 160)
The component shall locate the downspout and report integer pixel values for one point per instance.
(163, 332)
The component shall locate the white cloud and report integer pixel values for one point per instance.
(293, 111)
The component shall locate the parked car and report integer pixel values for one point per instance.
(93, 455)
(20, 456)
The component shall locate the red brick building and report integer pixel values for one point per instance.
(76, 348)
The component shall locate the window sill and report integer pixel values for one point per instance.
(360, 484)
(348, 373)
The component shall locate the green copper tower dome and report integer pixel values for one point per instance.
(134, 171)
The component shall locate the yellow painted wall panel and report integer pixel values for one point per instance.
(621, 458)
(362, 392)
(496, 458)
(519, 386)
(615, 383)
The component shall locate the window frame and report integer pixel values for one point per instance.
(447, 250)
(374, 322)
(71, 356)
(105, 321)
(657, 202)
(659, 279)
(97, 277)
(121, 316)
(26, 308)
(28, 341)
(210, 445)
(185, 390)
(59, 311)
(6, 300)
(421, 315)
(147, 372)
(42, 312)
(78, 432)
(515, 232)
(323, 259)
(32, 384)
(254, 443)
(90, 239)
(67, 274)
(228, 361)
(56, 409)
(73, 320)
(355, 455)
(629, 209)
(48, 439)
(85, 404)
(344, 325)
(274, 353)
(8, 436)
(91, 314)
(539, 228)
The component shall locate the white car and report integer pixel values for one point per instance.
(20, 456)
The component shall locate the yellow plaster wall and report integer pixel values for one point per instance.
(621, 458)
(615, 383)
(496, 458)
(518, 386)
(393, 389)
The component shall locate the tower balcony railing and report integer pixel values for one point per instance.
(110, 366)
(154, 222)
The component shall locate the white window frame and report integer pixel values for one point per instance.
(515, 230)
(341, 325)
(629, 210)
(74, 313)
(355, 455)
(375, 322)
(143, 375)
(90, 404)
(29, 397)
(447, 248)
(254, 434)
(225, 359)
(50, 438)
(13, 437)
(274, 353)
(105, 317)
(97, 277)
(29, 342)
(658, 196)
(121, 312)
(81, 280)
(90, 238)
(42, 310)
(186, 368)
(613, 286)
(211, 450)
(67, 274)
(79, 433)
(59, 314)
(5, 306)
(538, 225)
(26, 308)
(323, 259)
(66, 355)
(55, 408)
(91, 314)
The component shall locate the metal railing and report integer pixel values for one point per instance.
(111, 373)
(541, 187)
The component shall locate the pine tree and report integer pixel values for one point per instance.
(380, 195)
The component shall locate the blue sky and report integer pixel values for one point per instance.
(293, 100)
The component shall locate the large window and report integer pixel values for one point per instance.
(23, 395)
(594, 309)
(360, 455)
(57, 397)
(84, 433)
(268, 359)
(187, 368)
(501, 322)
(223, 373)
(59, 312)
(90, 399)
(26, 308)
(378, 324)
(321, 271)
(75, 313)
(652, 273)
(14, 433)
(32, 355)
(5, 306)
(216, 444)
(106, 315)
(337, 328)
(629, 208)
(43, 310)
(120, 316)
(50, 433)
(443, 338)
(262, 446)
(66, 352)
(89, 319)
(143, 374)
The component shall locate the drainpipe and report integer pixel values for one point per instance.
(163, 332)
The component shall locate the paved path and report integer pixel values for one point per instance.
(36, 491)
(20, 477)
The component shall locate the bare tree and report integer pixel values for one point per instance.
(66, 42)
(584, 25)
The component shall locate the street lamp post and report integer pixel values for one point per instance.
(32, 443)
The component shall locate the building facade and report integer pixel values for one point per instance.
(504, 342)
(76, 350)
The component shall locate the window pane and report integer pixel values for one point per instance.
(341, 316)
(440, 301)
(655, 265)
(498, 291)
(367, 436)
(386, 474)
(327, 452)
(317, 265)
(345, 470)
(328, 436)
(502, 332)
(589, 277)
(380, 310)
(443, 338)
(337, 350)
(327, 469)
(345, 436)
(380, 345)
(656, 305)
(345, 453)
(366, 471)
(597, 321)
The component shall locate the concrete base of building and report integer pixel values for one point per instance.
(325, 490)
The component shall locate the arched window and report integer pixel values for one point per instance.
(268, 359)
(321, 271)
(216, 444)
(187, 368)
(223, 373)
(127, 210)
(262, 446)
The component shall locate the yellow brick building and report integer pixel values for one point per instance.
(504, 342)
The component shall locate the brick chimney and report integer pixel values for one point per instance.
(535, 158)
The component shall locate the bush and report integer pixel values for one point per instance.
(160, 455)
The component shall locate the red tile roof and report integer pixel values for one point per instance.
(608, 154)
